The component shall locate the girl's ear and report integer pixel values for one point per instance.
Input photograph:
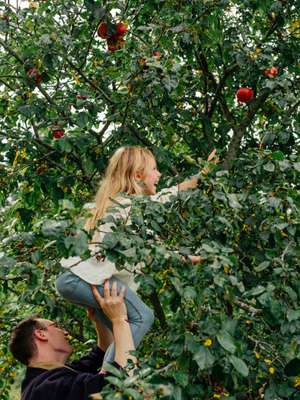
(138, 176)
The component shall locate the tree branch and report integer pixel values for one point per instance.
(240, 130)
(91, 83)
(218, 95)
(11, 51)
(159, 312)
(247, 307)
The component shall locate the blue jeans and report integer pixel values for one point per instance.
(77, 291)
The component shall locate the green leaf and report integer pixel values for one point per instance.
(54, 228)
(130, 253)
(293, 315)
(6, 263)
(297, 166)
(278, 155)
(82, 119)
(233, 201)
(204, 358)
(256, 291)
(180, 377)
(189, 293)
(113, 370)
(110, 240)
(65, 144)
(239, 365)
(262, 266)
(77, 244)
(115, 381)
(292, 368)
(26, 110)
(226, 341)
(134, 394)
(207, 248)
(67, 204)
(270, 167)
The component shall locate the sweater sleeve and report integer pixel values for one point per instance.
(91, 363)
(165, 194)
(94, 384)
(63, 384)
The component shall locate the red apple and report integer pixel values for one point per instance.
(142, 61)
(33, 73)
(271, 72)
(244, 95)
(81, 96)
(41, 170)
(102, 30)
(121, 29)
(156, 53)
(58, 133)
(4, 16)
(114, 44)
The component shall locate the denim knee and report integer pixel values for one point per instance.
(148, 317)
(66, 284)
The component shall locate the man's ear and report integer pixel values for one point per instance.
(40, 334)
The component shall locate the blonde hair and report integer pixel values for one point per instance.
(120, 177)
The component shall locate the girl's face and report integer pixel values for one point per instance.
(151, 177)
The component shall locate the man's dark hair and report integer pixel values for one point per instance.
(21, 342)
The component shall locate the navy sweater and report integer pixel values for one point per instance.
(63, 383)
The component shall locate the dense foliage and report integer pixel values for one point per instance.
(228, 327)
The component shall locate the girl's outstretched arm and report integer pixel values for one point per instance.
(193, 181)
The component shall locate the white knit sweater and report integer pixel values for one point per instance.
(96, 272)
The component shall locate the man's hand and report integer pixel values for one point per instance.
(112, 303)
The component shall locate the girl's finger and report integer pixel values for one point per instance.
(114, 289)
(212, 155)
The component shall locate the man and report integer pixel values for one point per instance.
(43, 346)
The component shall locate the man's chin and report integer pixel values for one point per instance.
(71, 349)
(67, 350)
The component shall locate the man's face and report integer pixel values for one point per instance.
(56, 337)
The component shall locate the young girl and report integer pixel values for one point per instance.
(132, 171)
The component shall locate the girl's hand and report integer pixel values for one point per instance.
(195, 259)
(212, 159)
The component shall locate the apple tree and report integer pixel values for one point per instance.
(80, 78)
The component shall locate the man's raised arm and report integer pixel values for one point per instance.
(114, 307)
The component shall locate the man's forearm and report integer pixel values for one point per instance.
(104, 336)
(123, 341)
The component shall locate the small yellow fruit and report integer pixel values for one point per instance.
(272, 370)
(207, 342)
